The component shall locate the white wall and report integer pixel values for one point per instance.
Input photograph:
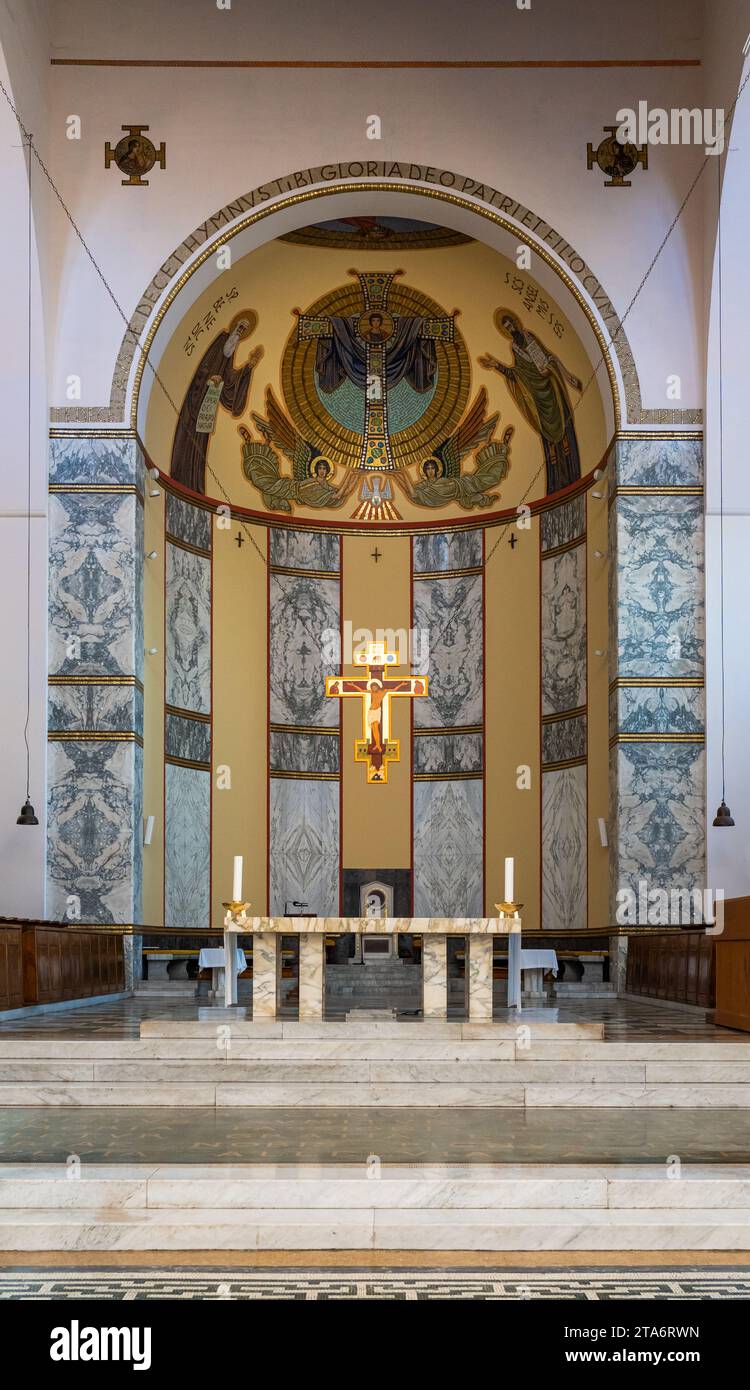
(524, 131)
(728, 25)
(23, 51)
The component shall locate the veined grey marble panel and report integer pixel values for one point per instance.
(563, 739)
(302, 612)
(107, 708)
(188, 523)
(448, 753)
(93, 583)
(670, 709)
(187, 858)
(564, 849)
(458, 550)
(187, 738)
(303, 845)
(188, 627)
(448, 849)
(564, 631)
(304, 550)
(659, 462)
(450, 610)
(660, 607)
(292, 752)
(661, 815)
(563, 524)
(95, 461)
(94, 810)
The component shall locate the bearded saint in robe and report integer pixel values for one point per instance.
(216, 382)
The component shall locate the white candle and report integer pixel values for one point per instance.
(508, 881)
(237, 883)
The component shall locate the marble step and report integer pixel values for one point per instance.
(340, 1048)
(370, 1228)
(486, 1187)
(351, 1092)
(228, 1067)
(408, 1031)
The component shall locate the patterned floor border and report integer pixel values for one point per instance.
(594, 1285)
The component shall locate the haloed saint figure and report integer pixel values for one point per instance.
(217, 383)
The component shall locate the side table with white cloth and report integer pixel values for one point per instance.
(213, 958)
(534, 962)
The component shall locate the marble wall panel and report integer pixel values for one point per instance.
(670, 709)
(304, 550)
(187, 860)
(563, 739)
(93, 588)
(451, 611)
(435, 753)
(106, 708)
(188, 523)
(304, 845)
(659, 462)
(660, 608)
(292, 752)
(657, 788)
(188, 630)
(95, 461)
(302, 611)
(564, 849)
(563, 524)
(187, 738)
(564, 631)
(459, 550)
(448, 849)
(661, 815)
(93, 844)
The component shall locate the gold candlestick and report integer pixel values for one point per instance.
(508, 909)
(236, 914)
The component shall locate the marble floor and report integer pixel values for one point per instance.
(536, 1285)
(624, 1020)
(45, 1134)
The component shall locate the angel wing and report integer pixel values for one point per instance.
(473, 430)
(278, 429)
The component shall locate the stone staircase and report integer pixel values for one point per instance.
(372, 1063)
(356, 1207)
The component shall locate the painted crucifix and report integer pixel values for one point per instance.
(376, 748)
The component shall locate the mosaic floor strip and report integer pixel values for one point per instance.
(388, 1284)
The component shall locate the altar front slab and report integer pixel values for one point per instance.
(385, 926)
(418, 1030)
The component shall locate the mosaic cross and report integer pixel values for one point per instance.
(376, 748)
(377, 330)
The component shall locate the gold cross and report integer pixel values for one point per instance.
(376, 748)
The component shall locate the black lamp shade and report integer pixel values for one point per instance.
(723, 815)
(27, 816)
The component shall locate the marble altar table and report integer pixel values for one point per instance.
(312, 931)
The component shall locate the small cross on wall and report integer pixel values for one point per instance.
(376, 554)
(239, 540)
(513, 541)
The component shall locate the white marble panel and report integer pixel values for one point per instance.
(564, 631)
(480, 981)
(188, 630)
(435, 977)
(303, 845)
(451, 612)
(564, 849)
(304, 623)
(448, 848)
(311, 976)
(265, 975)
(187, 866)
